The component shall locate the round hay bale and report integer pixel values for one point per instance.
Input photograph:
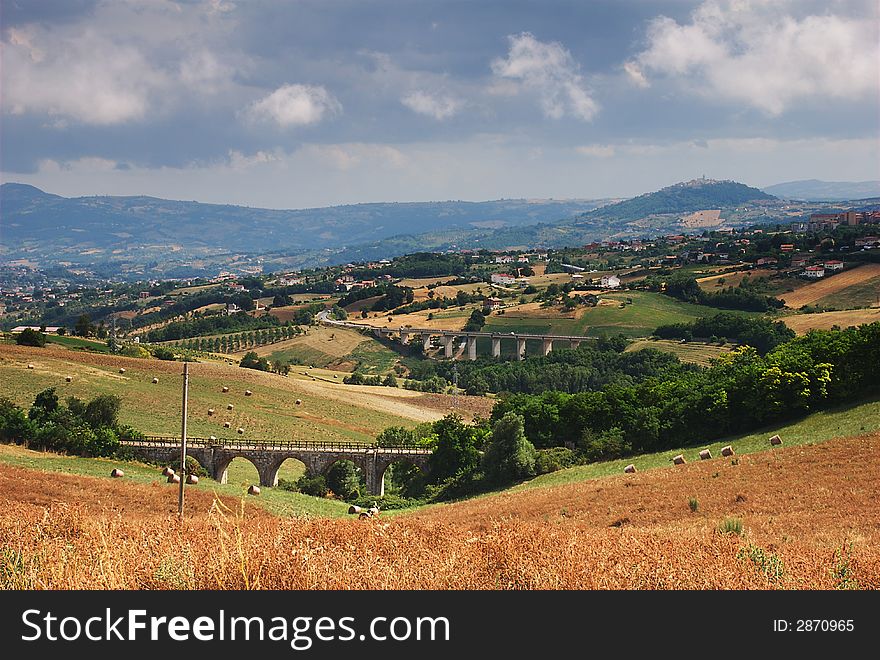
(727, 451)
(240, 430)
(227, 425)
(225, 390)
(248, 393)
(229, 406)
(167, 471)
(173, 478)
(69, 379)
(30, 366)
(678, 460)
(705, 455)
(354, 509)
(116, 473)
(775, 440)
(122, 370)
(192, 479)
(155, 381)
(630, 469)
(210, 411)
(298, 402)
(254, 490)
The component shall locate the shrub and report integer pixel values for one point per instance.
(29, 337)
(553, 459)
(136, 351)
(693, 504)
(312, 485)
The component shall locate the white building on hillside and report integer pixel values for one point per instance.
(609, 282)
(503, 278)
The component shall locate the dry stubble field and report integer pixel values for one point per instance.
(830, 285)
(810, 516)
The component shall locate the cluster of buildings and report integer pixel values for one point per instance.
(828, 221)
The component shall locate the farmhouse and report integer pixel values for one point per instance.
(609, 282)
(833, 265)
(491, 304)
(814, 272)
(767, 261)
(799, 262)
(504, 259)
(503, 278)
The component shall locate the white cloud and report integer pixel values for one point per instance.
(549, 70)
(438, 107)
(87, 77)
(763, 55)
(296, 105)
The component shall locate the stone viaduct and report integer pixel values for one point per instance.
(448, 338)
(216, 455)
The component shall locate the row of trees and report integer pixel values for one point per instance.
(240, 341)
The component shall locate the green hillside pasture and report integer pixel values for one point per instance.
(270, 413)
(695, 352)
(78, 343)
(840, 422)
(344, 349)
(863, 294)
(275, 500)
(639, 319)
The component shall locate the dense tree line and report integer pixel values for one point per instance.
(391, 296)
(685, 288)
(763, 334)
(418, 264)
(740, 392)
(76, 427)
(189, 303)
(592, 366)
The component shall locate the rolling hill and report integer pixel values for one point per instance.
(137, 231)
(814, 189)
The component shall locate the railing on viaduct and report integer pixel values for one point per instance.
(215, 455)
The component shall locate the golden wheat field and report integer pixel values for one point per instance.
(810, 519)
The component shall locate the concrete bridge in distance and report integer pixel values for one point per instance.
(216, 455)
(448, 338)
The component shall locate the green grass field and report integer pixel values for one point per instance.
(155, 408)
(639, 319)
(364, 353)
(78, 343)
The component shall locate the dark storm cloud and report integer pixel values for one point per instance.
(350, 84)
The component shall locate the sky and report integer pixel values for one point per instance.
(305, 103)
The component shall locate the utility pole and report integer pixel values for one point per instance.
(183, 441)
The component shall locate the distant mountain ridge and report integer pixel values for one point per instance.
(142, 229)
(145, 237)
(816, 190)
